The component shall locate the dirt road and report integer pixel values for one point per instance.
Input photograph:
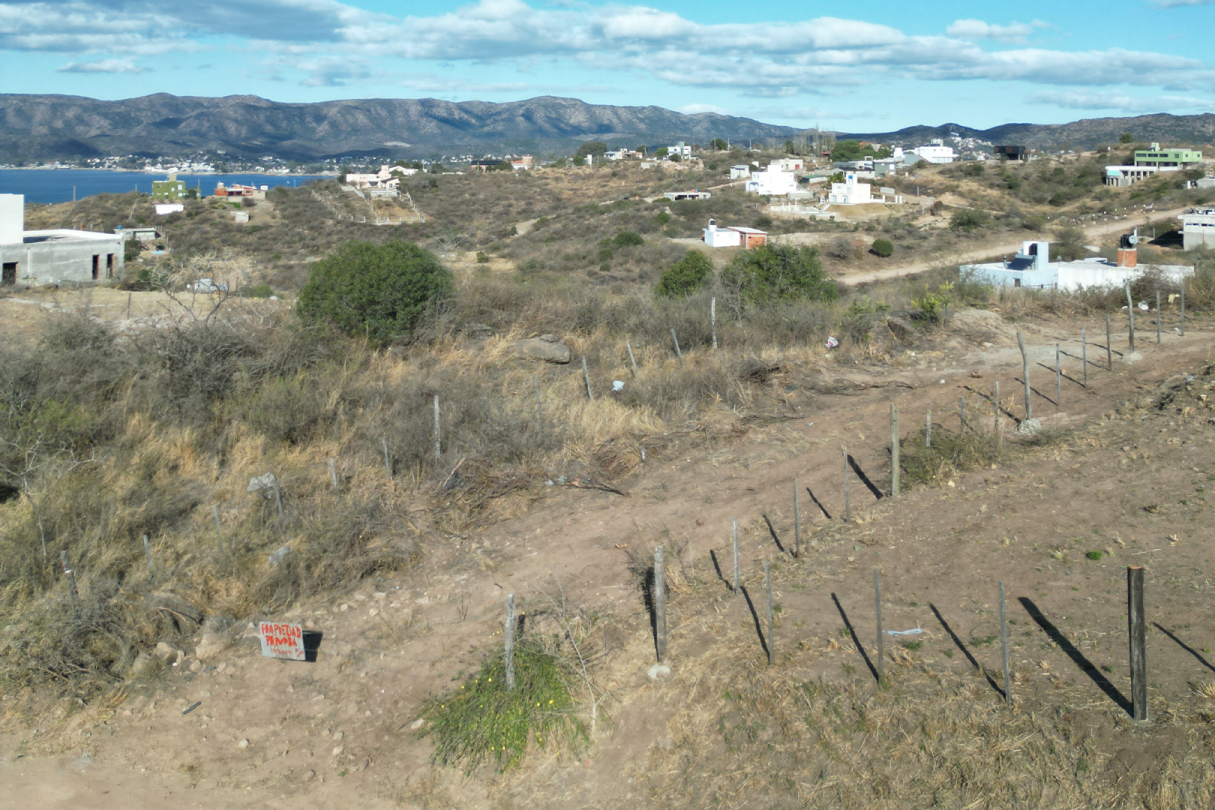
(1091, 231)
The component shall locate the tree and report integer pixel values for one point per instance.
(1068, 244)
(967, 219)
(661, 152)
(686, 276)
(579, 160)
(772, 273)
(1126, 137)
(720, 144)
(789, 147)
(379, 291)
(883, 248)
(853, 150)
(595, 148)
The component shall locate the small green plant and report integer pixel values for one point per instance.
(913, 646)
(482, 720)
(257, 291)
(883, 248)
(626, 239)
(968, 219)
(935, 303)
(1094, 555)
(482, 258)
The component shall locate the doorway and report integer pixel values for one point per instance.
(9, 276)
(96, 265)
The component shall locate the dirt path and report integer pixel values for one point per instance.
(337, 733)
(982, 253)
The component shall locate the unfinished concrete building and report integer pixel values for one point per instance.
(58, 256)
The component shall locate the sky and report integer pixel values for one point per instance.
(875, 66)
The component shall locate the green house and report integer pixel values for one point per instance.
(1166, 158)
(169, 189)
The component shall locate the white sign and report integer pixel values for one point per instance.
(282, 640)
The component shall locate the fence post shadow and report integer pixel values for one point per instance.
(1078, 658)
(1062, 374)
(818, 503)
(1035, 390)
(772, 531)
(958, 643)
(759, 630)
(1185, 647)
(717, 568)
(856, 468)
(856, 641)
(647, 598)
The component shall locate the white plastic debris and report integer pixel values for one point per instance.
(617, 386)
(904, 632)
(1144, 306)
(832, 343)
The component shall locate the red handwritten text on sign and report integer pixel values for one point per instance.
(282, 640)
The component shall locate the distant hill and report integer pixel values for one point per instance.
(1086, 134)
(47, 127)
(51, 127)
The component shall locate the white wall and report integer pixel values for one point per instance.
(12, 218)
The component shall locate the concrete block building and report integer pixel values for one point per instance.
(1033, 268)
(1198, 228)
(58, 256)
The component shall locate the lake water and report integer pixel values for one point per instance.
(56, 185)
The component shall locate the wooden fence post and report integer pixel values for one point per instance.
(1109, 347)
(713, 320)
(438, 444)
(586, 375)
(928, 430)
(510, 642)
(847, 505)
(333, 477)
(1029, 405)
(768, 590)
(797, 523)
(387, 458)
(147, 552)
(660, 605)
(995, 419)
(1137, 630)
(881, 641)
(1130, 316)
(736, 556)
(961, 414)
(1183, 310)
(71, 578)
(1158, 317)
(219, 532)
(678, 353)
(1058, 379)
(1004, 646)
(894, 451)
(1084, 355)
(632, 360)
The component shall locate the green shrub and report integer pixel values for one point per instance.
(689, 274)
(773, 273)
(483, 720)
(379, 291)
(967, 219)
(257, 291)
(131, 249)
(883, 248)
(935, 303)
(482, 258)
(627, 239)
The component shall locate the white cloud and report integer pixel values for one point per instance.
(103, 66)
(1120, 102)
(328, 43)
(1014, 32)
(694, 109)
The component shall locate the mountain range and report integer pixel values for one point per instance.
(55, 127)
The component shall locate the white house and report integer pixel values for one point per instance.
(1032, 267)
(737, 236)
(741, 172)
(789, 164)
(682, 149)
(381, 179)
(850, 192)
(935, 152)
(53, 256)
(772, 182)
(1198, 228)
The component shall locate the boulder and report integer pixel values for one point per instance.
(165, 652)
(548, 348)
(212, 644)
(265, 484)
(901, 328)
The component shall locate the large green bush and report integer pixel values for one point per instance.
(772, 273)
(379, 291)
(686, 276)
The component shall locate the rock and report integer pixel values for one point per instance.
(1132, 357)
(901, 328)
(143, 665)
(548, 348)
(1029, 427)
(339, 735)
(212, 644)
(666, 742)
(195, 665)
(309, 775)
(265, 484)
(243, 744)
(338, 750)
(658, 671)
(280, 554)
(183, 615)
(165, 652)
(478, 331)
(417, 724)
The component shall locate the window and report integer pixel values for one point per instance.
(96, 265)
(109, 265)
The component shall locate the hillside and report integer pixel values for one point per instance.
(47, 127)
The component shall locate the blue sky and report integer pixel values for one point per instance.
(859, 67)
